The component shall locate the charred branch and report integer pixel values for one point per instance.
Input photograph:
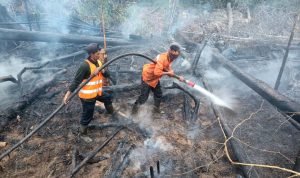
(9, 78)
(286, 54)
(95, 159)
(97, 150)
(19, 76)
(198, 56)
(20, 35)
(74, 155)
(116, 158)
(186, 112)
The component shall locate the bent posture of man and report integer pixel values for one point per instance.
(92, 91)
(151, 75)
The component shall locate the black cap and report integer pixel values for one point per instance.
(92, 48)
(175, 47)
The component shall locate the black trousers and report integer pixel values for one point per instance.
(88, 107)
(145, 91)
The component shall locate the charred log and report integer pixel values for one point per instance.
(278, 100)
(20, 35)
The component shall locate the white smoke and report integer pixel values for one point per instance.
(57, 13)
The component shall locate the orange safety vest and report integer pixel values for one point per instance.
(94, 87)
(153, 72)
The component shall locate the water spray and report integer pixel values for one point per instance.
(213, 97)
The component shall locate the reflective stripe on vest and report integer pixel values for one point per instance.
(94, 87)
(90, 91)
(94, 83)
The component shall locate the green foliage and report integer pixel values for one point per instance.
(90, 10)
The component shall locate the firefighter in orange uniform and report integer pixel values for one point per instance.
(151, 75)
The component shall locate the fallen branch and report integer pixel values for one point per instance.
(8, 78)
(99, 148)
(19, 76)
(95, 159)
(74, 155)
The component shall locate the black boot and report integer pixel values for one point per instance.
(156, 108)
(135, 109)
(109, 108)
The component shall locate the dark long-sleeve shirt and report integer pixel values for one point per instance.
(82, 73)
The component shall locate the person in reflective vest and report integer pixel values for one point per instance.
(151, 75)
(92, 91)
